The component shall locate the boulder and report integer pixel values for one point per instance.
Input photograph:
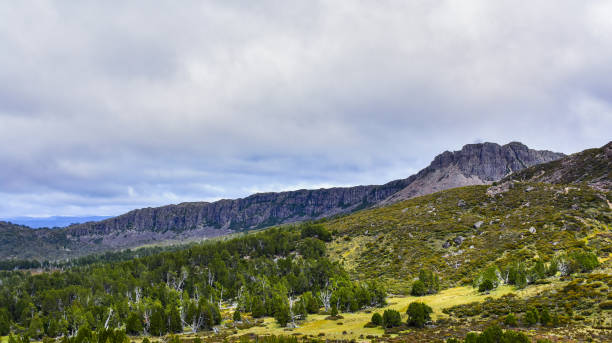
(478, 224)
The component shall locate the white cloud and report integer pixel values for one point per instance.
(200, 101)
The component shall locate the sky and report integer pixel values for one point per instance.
(107, 106)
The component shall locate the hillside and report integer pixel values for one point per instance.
(460, 231)
(473, 164)
(592, 166)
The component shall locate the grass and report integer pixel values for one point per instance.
(353, 323)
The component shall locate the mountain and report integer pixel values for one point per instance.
(592, 166)
(53, 221)
(473, 164)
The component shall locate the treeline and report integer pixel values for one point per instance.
(280, 272)
(106, 257)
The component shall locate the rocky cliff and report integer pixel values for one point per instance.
(473, 164)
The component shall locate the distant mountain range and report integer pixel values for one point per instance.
(472, 165)
(53, 221)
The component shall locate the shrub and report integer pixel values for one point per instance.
(531, 317)
(391, 318)
(418, 314)
(510, 320)
(494, 334)
(606, 305)
(418, 288)
(237, 317)
(486, 286)
(545, 318)
(377, 319)
(334, 311)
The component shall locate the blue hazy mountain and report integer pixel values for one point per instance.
(54, 221)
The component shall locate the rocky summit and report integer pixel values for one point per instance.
(474, 164)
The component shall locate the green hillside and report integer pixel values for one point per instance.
(461, 231)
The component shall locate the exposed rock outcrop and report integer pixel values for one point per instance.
(474, 164)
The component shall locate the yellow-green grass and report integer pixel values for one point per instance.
(353, 323)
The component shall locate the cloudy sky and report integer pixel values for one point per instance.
(107, 106)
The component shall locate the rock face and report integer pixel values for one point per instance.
(474, 164)
(256, 211)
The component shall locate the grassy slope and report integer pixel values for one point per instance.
(393, 243)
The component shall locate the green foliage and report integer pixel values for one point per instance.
(581, 261)
(334, 311)
(545, 318)
(510, 320)
(428, 283)
(311, 303)
(133, 324)
(430, 280)
(282, 314)
(237, 317)
(315, 230)
(531, 317)
(174, 320)
(255, 270)
(486, 285)
(377, 319)
(391, 318)
(157, 325)
(5, 323)
(418, 288)
(494, 334)
(488, 279)
(418, 314)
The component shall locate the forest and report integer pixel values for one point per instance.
(280, 272)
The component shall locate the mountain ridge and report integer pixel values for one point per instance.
(479, 163)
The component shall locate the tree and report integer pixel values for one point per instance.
(391, 318)
(334, 310)
(157, 325)
(174, 320)
(486, 286)
(418, 314)
(5, 323)
(311, 303)
(282, 315)
(431, 281)
(133, 324)
(418, 288)
(258, 309)
(377, 319)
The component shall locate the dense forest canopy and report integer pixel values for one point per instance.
(280, 272)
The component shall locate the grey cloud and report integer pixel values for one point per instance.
(110, 106)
